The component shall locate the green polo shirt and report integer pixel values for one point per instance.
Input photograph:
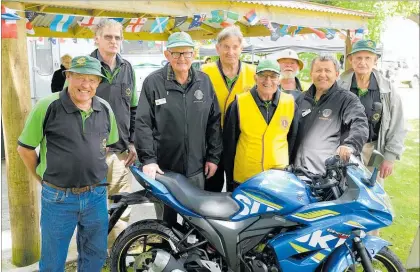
(72, 142)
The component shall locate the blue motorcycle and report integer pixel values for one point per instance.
(278, 220)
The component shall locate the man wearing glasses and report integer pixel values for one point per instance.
(178, 120)
(119, 90)
(260, 127)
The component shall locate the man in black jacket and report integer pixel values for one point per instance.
(178, 118)
(59, 77)
(332, 120)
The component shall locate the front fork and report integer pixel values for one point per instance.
(361, 251)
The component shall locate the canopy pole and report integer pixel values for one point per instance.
(348, 50)
(22, 187)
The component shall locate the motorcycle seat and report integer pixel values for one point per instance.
(204, 203)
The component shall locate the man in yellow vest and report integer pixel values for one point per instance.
(260, 127)
(229, 77)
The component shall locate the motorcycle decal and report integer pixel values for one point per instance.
(318, 257)
(338, 234)
(317, 240)
(315, 215)
(354, 224)
(254, 204)
(298, 248)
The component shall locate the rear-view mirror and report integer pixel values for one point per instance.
(376, 159)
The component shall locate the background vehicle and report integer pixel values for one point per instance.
(273, 222)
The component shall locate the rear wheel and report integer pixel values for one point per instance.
(384, 260)
(130, 249)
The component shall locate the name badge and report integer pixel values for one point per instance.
(160, 101)
(306, 112)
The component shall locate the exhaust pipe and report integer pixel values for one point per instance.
(159, 261)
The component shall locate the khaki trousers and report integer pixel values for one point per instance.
(119, 181)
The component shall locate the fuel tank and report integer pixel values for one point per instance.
(271, 191)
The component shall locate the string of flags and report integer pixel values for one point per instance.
(222, 18)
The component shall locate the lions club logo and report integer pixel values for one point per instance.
(284, 122)
(81, 61)
(199, 94)
(376, 117)
(326, 113)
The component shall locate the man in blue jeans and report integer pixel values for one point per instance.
(75, 127)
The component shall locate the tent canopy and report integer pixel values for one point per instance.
(293, 13)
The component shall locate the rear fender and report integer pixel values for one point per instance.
(341, 259)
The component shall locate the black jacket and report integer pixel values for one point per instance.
(232, 131)
(178, 129)
(338, 118)
(58, 80)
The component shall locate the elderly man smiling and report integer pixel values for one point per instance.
(260, 127)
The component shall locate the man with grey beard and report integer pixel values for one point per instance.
(290, 65)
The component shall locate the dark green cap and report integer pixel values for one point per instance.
(268, 65)
(364, 45)
(179, 39)
(86, 65)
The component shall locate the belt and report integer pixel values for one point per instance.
(76, 190)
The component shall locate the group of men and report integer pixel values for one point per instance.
(231, 120)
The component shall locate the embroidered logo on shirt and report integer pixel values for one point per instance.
(326, 113)
(199, 94)
(128, 92)
(376, 117)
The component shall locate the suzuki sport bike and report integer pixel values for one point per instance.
(278, 220)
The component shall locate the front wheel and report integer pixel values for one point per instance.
(384, 260)
(129, 252)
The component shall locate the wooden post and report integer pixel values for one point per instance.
(16, 104)
(348, 50)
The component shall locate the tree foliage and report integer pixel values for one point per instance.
(381, 9)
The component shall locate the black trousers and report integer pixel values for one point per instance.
(216, 182)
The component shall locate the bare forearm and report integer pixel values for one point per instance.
(30, 159)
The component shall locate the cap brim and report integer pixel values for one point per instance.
(300, 63)
(180, 44)
(364, 49)
(94, 73)
(268, 69)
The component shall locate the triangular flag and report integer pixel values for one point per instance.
(179, 21)
(197, 20)
(8, 13)
(266, 23)
(89, 21)
(61, 23)
(9, 29)
(298, 29)
(217, 16)
(52, 40)
(29, 28)
(329, 33)
(319, 33)
(74, 40)
(30, 15)
(231, 18)
(252, 17)
(283, 30)
(275, 34)
(135, 24)
(159, 25)
(61, 40)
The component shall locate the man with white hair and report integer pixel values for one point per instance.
(229, 76)
(290, 65)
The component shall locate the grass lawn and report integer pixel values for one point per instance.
(403, 188)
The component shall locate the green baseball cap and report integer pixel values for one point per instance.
(179, 39)
(85, 65)
(268, 65)
(364, 45)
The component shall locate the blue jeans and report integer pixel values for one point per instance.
(61, 212)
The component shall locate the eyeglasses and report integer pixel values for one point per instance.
(177, 55)
(268, 76)
(110, 37)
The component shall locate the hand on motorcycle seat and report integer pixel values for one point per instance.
(151, 169)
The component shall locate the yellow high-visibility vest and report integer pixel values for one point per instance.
(244, 83)
(262, 146)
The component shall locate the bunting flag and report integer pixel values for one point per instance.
(298, 29)
(197, 20)
(52, 40)
(159, 24)
(30, 15)
(358, 35)
(119, 20)
(179, 21)
(61, 23)
(29, 28)
(275, 34)
(217, 16)
(8, 29)
(61, 40)
(329, 33)
(40, 41)
(135, 25)
(231, 18)
(266, 23)
(8, 14)
(252, 17)
(140, 42)
(283, 30)
(319, 33)
(89, 21)
(74, 40)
